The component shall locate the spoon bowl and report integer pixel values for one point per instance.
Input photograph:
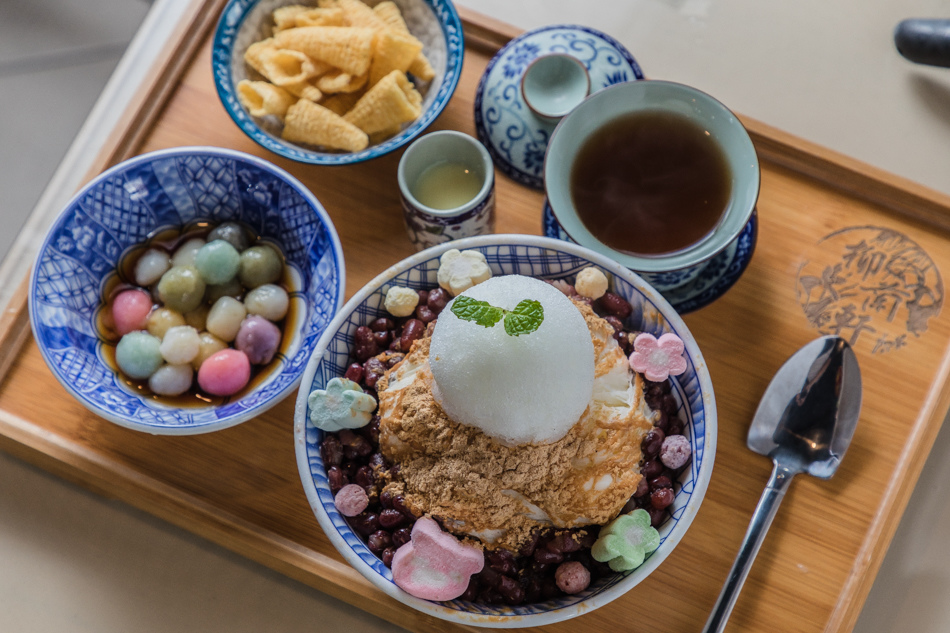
(805, 423)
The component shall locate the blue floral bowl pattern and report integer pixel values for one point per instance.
(513, 134)
(171, 189)
(434, 22)
(548, 259)
(708, 284)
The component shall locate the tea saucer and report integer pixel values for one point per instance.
(515, 137)
(715, 279)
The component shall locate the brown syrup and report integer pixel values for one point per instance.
(194, 397)
(650, 183)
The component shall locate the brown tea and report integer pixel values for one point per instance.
(650, 183)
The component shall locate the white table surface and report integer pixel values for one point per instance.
(825, 71)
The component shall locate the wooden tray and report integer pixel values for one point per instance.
(842, 247)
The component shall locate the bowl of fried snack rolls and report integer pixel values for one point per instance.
(334, 82)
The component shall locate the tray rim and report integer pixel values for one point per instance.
(76, 463)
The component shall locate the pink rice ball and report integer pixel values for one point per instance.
(675, 451)
(224, 373)
(572, 577)
(351, 500)
(130, 310)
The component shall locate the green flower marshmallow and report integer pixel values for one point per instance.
(625, 541)
(342, 405)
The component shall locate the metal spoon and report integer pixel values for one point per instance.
(804, 422)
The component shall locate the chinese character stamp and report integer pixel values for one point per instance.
(870, 285)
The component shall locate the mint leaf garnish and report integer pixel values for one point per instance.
(479, 312)
(525, 318)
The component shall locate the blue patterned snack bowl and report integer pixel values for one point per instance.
(543, 258)
(434, 23)
(92, 252)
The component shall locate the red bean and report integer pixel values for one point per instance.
(652, 443)
(336, 478)
(614, 322)
(563, 543)
(490, 577)
(651, 468)
(662, 421)
(511, 592)
(438, 299)
(662, 498)
(363, 335)
(382, 324)
(390, 518)
(364, 478)
(615, 305)
(642, 488)
(387, 556)
(544, 555)
(663, 481)
(376, 460)
(399, 503)
(393, 360)
(657, 516)
(669, 405)
(378, 541)
(528, 547)
(365, 523)
(382, 339)
(401, 536)
(423, 296)
(331, 450)
(424, 314)
(413, 329)
(365, 351)
(502, 561)
(471, 593)
(373, 370)
(354, 372)
(386, 499)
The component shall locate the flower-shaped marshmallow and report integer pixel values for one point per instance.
(401, 301)
(434, 565)
(459, 271)
(658, 359)
(342, 405)
(624, 542)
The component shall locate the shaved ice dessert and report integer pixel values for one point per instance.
(512, 422)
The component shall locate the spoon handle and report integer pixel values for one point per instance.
(761, 520)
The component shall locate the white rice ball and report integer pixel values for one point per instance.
(522, 389)
(269, 301)
(180, 345)
(151, 266)
(185, 254)
(224, 318)
(171, 380)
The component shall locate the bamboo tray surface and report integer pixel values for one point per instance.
(842, 248)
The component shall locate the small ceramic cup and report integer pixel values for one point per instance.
(673, 270)
(555, 84)
(447, 185)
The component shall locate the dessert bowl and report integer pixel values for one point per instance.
(544, 258)
(109, 220)
(434, 22)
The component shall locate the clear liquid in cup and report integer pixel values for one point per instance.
(447, 185)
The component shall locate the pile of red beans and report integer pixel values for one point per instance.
(511, 578)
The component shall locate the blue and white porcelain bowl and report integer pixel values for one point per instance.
(434, 22)
(515, 135)
(112, 216)
(545, 258)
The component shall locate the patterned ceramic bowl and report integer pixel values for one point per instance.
(545, 258)
(434, 22)
(170, 190)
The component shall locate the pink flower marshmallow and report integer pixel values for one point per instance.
(658, 359)
(434, 565)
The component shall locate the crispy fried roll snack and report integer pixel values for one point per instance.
(307, 122)
(342, 102)
(347, 48)
(261, 98)
(304, 90)
(320, 17)
(391, 102)
(393, 51)
(337, 81)
(286, 17)
(389, 13)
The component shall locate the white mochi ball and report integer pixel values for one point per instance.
(522, 389)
